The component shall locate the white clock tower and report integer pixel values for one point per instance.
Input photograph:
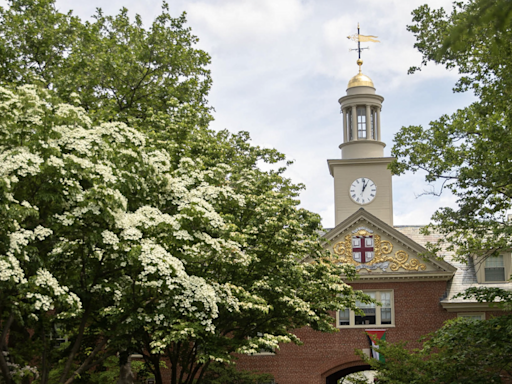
(361, 176)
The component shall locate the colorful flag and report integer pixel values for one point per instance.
(376, 334)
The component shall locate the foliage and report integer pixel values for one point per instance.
(468, 151)
(160, 236)
(81, 247)
(122, 71)
(497, 297)
(108, 373)
(228, 374)
(355, 378)
(462, 351)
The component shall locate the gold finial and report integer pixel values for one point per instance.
(361, 80)
(360, 63)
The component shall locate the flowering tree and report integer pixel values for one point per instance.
(103, 242)
(82, 244)
(165, 238)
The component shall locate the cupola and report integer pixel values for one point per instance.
(361, 119)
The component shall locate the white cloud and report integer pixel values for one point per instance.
(247, 20)
(279, 67)
(413, 201)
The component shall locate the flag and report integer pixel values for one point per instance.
(378, 334)
(364, 38)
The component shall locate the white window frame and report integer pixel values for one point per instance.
(472, 315)
(481, 265)
(361, 122)
(378, 312)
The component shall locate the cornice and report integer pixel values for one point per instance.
(367, 160)
(357, 97)
(460, 306)
(383, 277)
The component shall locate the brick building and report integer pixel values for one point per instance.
(417, 294)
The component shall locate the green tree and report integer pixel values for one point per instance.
(462, 351)
(469, 151)
(169, 238)
(83, 254)
(222, 374)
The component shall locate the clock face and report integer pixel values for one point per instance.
(363, 190)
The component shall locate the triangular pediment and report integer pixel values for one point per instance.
(380, 252)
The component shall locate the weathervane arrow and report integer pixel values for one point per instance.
(362, 38)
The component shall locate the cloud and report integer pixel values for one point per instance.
(386, 62)
(279, 67)
(412, 201)
(236, 21)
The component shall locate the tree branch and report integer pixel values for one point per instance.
(87, 362)
(76, 345)
(3, 363)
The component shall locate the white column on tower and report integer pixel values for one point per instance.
(345, 139)
(378, 124)
(354, 123)
(368, 125)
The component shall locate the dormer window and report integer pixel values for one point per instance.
(494, 268)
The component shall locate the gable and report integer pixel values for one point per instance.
(378, 251)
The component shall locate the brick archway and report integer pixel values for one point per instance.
(336, 373)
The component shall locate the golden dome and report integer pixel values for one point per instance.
(360, 80)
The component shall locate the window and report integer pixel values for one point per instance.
(264, 350)
(495, 268)
(58, 335)
(472, 316)
(372, 314)
(361, 122)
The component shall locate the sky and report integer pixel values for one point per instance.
(280, 66)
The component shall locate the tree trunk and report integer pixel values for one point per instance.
(126, 375)
(6, 373)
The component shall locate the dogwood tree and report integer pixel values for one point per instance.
(171, 239)
(84, 244)
(105, 244)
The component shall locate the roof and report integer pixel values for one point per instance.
(465, 276)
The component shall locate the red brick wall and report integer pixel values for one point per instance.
(417, 312)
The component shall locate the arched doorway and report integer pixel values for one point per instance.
(334, 377)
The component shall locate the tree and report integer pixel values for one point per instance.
(468, 151)
(170, 239)
(81, 247)
(462, 351)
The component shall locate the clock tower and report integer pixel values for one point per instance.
(361, 176)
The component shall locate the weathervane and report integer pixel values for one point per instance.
(361, 38)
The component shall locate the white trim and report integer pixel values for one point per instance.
(469, 307)
(472, 315)
(378, 312)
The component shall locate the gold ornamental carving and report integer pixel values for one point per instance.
(382, 248)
